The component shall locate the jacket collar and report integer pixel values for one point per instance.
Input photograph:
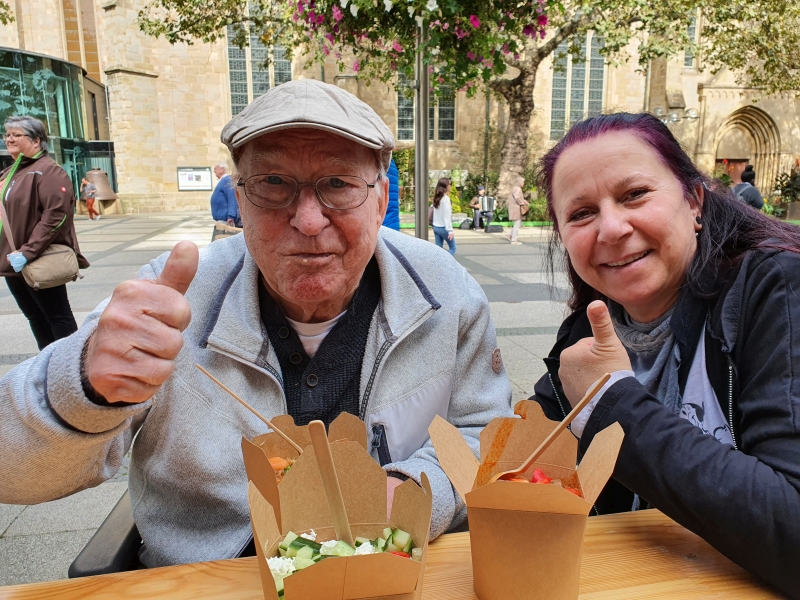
(234, 323)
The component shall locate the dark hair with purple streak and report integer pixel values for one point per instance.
(730, 227)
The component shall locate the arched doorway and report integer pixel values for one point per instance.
(752, 130)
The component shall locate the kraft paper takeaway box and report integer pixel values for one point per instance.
(299, 504)
(526, 539)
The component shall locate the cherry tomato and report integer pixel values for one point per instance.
(539, 477)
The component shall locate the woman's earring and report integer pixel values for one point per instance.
(700, 223)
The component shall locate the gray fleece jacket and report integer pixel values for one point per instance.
(429, 351)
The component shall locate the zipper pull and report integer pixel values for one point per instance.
(377, 436)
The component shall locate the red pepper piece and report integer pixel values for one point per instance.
(403, 554)
(573, 491)
(539, 477)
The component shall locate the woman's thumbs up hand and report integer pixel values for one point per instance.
(132, 352)
(590, 358)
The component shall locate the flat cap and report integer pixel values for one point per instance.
(308, 103)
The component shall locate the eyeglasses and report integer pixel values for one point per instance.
(339, 192)
(14, 136)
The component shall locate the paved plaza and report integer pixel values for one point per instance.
(37, 543)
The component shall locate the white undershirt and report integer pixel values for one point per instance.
(312, 334)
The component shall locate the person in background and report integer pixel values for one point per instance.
(392, 218)
(746, 191)
(475, 205)
(515, 207)
(224, 207)
(39, 204)
(443, 216)
(89, 190)
(689, 299)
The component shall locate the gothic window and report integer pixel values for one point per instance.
(578, 84)
(441, 114)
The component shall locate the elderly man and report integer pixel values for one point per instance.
(224, 207)
(314, 310)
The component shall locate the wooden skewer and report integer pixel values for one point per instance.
(330, 481)
(591, 392)
(251, 409)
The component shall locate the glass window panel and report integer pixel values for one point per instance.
(447, 123)
(688, 59)
(558, 103)
(282, 66)
(259, 66)
(596, 78)
(237, 71)
(405, 111)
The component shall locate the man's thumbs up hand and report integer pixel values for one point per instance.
(590, 358)
(132, 352)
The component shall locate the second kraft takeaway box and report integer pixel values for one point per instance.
(299, 504)
(526, 539)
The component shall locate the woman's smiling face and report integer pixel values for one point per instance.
(625, 222)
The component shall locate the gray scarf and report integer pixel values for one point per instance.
(655, 357)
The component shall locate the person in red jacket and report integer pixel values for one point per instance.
(39, 202)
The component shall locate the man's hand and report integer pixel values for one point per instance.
(590, 358)
(138, 336)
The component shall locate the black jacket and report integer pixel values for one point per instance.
(745, 501)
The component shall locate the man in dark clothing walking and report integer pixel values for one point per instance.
(746, 191)
(223, 199)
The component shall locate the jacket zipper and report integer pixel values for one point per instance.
(552, 383)
(380, 444)
(730, 400)
(558, 398)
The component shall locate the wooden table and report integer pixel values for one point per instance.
(628, 556)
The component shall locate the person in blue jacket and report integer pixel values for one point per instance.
(392, 218)
(223, 199)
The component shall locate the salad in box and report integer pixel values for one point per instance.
(541, 514)
(299, 553)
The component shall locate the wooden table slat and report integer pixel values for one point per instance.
(642, 555)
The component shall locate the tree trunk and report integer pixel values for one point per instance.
(518, 93)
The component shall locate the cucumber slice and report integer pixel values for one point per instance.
(302, 563)
(300, 542)
(279, 586)
(282, 551)
(416, 554)
(340, 549)
(401, 538)
(290, 537)
(380, 544)
(362, 540)
(407, 548)
(390, 547)
(387, 533)
(306, 552)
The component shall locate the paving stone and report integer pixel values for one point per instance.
(84, 510)
(8, 512)
(35, 558)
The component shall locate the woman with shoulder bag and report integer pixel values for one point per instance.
(517, 207)
(690, 299)
(38, 206)
(442, 216)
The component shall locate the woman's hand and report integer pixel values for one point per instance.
(17, 260)
(590, 358)
(450, 237)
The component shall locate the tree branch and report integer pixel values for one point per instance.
(564, 32)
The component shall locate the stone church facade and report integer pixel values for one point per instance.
(163, 106)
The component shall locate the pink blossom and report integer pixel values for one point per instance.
(505, 48)
(320, 18)
(335, 29)
(397, 47)
(460, 33)
(329, 37)
(446, 26)
(311, 16)
(393, 66)
(300, 6)
(337, 14)
(430, 69)
(295, 16)
(471, 55)
(516, 57)
(325, 50)
(440, 79)
(542, 34)
(474, 21)
(527, 30)
(542, 20)
(356, 67)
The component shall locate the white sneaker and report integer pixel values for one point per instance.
(97, 218)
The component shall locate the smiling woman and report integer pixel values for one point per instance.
(690, 299)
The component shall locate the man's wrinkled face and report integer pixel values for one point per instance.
(219, 172)
(312, 257)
